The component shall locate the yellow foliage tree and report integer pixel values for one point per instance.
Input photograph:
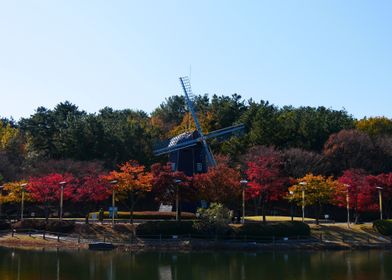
(13, 192)
(319, 190)
(188, 124)
(6, 134)
(375, 126)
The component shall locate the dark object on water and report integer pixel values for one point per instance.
(101, 246)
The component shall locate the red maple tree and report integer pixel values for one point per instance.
(91, 190)
(354, 181)
(267, 182)
(167, 184)
(46, 189)
(220, 184)
(383, 181)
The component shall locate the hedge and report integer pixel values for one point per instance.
(169, 228)
(165, 228)
(52, 226)
(383, 226)
(147, 215)
(279, 229)
(4, 225)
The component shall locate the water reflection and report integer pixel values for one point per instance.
(52, 264)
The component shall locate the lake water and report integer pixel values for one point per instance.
(72, 265)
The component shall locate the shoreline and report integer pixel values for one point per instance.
(26, 242)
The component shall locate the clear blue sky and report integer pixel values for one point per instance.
(129, 54)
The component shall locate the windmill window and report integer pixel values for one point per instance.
(173, 166)
(199, 167)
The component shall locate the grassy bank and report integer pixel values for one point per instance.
(329, 236)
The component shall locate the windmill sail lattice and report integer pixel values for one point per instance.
(190, 140)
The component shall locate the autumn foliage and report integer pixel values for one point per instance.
(133, 182)
(267, 181)
(318, 191)
(219, 184)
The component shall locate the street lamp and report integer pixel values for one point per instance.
(291, 205)
(380, 200)
(114, 182)
(178, 216)
(303, 184)
(22, 201)
(348, 203)
(244, 183)
(62, 184)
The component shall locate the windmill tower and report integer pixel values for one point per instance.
(189, 151)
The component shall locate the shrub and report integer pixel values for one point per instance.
(60, 226)
(30, 224)
(214, 220)
(4, 225)
(279, 229)
(383, 226)
(148, 215)
(165, 228)
(53, 226)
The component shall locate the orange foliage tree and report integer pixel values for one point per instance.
(133, 182)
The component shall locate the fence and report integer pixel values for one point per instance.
(159, 238)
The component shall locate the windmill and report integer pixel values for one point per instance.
(189, 151)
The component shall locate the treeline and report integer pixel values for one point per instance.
(68, 139)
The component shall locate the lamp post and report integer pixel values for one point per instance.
(291, 205)
(303, 184)
(114, 182)
(380, 200)
(244, 184)
(348, 203)
(62, 184)
(22, 201)
(178, 216)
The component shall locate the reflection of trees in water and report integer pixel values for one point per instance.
(67, 265)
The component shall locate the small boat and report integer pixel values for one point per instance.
(101, 246)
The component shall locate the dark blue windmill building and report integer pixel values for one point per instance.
(189, 151)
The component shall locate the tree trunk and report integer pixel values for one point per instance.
(88, 212)
(131, 208)
(46, 210)
(356, 217)
(318, 212)
(256, 207)
(263, 212)
(179, 205)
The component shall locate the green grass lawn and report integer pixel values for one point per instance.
(275, 218)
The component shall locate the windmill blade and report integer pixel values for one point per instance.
(210, 157)
(186, 86)
(179, 146)
(225, 131)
